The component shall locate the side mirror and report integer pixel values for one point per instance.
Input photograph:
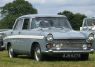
(83, 28)
(80, 28)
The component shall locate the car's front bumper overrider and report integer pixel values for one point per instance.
(69, 51)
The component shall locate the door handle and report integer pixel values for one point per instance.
(19, 32)
(11, 32)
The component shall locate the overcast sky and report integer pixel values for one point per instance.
(54, 6)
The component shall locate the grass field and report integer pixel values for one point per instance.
(5, 61)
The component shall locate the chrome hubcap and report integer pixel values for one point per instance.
(10, 52)
(37, 54)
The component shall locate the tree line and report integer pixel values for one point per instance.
(17, 8)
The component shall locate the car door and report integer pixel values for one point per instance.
(27, 31)
(15, 34)
(24, 34)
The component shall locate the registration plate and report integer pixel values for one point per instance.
(71, 55)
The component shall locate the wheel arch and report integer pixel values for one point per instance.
(8, 45)
(33, 45)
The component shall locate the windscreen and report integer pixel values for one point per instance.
(90, 22)
(58, 22)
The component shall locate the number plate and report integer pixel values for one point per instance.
(71, 55)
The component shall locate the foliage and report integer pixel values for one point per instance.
(75, 19)
(13, 10)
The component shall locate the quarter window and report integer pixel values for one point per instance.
(18, 24)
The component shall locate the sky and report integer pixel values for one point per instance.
(86, 7)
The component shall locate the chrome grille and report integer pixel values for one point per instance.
(70, 43)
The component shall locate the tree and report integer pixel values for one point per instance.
(75, 19)
(13, 10)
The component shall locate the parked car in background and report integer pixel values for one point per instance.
(88, 24)
(39, 35)
(1, 41)
(2, 35)
(88, 27)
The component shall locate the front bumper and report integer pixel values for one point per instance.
(69, 51)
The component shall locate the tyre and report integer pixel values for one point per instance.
(11, 52)
(37, 53)
(84, 56)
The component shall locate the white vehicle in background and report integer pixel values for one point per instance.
(2, 35)
(88, 24)
(88, 27)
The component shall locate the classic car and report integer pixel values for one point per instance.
(88, 24)
(2, 32)
(88, 27)
(39, 35)
(1, 41)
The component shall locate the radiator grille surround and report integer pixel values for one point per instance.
(69, 43)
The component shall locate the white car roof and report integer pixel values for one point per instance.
(90, 18)
(41, 15)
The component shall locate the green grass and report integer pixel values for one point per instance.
(5, 61)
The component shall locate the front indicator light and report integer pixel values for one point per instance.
(50, 45)
(89, 45)
(85, 47)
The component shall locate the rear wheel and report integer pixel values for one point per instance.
(37, 53)
(11, 52)
(85, 56)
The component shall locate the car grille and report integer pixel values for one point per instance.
(70, 43)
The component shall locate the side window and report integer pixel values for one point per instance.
(18, 25)
(26, 24)
(33, 24)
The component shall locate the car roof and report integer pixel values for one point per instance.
(41, 15)
(90, 18)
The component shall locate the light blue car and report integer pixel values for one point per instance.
(39, 35)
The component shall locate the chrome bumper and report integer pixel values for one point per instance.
(70, 51)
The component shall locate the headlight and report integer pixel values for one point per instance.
(84, 47)
(90, 37)
(90, 40)
(49, 37)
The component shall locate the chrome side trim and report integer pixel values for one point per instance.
(24, 36)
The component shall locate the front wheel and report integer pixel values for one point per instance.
(37, 53)
(11, 52)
